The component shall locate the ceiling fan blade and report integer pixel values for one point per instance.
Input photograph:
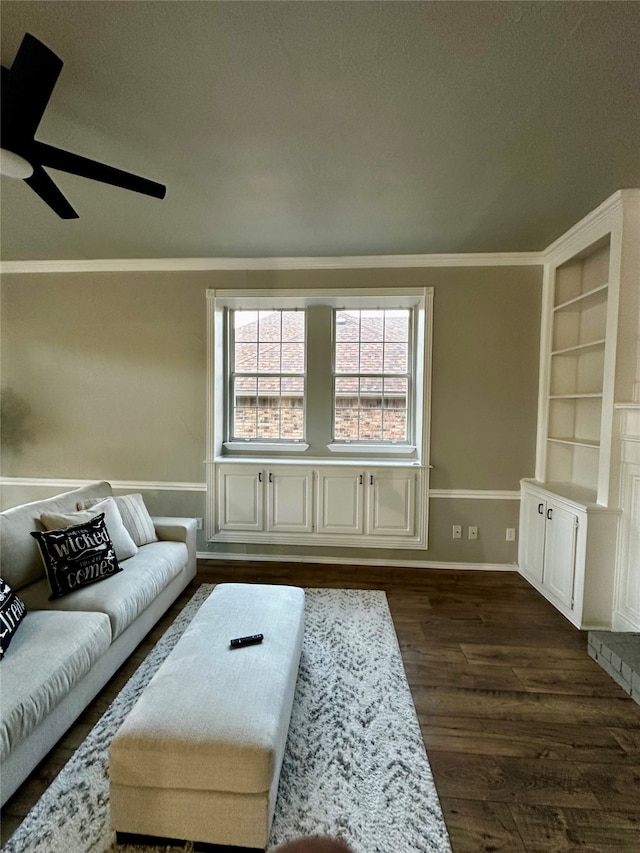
(43, 185)
(57, 158)
(27, 87)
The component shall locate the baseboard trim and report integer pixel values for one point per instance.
(355, 561)
(619, 622)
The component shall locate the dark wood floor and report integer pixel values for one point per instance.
(533, 747)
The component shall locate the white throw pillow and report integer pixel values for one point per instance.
(124, 545)
(135, 517)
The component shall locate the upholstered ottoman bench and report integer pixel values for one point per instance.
(199, 756)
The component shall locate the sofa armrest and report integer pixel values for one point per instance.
(184, 530)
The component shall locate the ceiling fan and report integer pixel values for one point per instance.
(26, 89)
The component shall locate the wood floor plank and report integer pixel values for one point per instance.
(551, 829)
(584, 682)
(485, 677)
(554, 741)
(507, 780)
(477, 826)
(536, 656)
(615, 787)
(534, 707)
(497, 631)
(415, 651)
(629, 740)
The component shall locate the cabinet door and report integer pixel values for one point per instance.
(560, 553)
(532, 533)
(391, 502)
(339, 501)
(290, 505)
(240, 502)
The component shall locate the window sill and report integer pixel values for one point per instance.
(266, 446)
(352, 448)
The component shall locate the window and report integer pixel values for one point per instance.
(267, 375)
(320, 372)
(371, 375)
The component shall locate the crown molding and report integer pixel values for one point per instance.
(618, 199)
(591, 227)
(498, 259)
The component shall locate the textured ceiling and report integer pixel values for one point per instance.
(340, 128)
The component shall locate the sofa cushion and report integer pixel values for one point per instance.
(50, 654)
(125, 595)
(19, 554)
(77, 556)
(135, 517)
(122, 542)
(12, 612)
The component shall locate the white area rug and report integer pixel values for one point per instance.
(354, 767)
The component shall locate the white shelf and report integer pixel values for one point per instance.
(581, 302)
(575, 442)
(577, 349)
(593, 396)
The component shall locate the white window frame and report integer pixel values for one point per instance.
(240, 443)
(418, 299)
(371, 445)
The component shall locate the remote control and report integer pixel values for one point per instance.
(246, 641)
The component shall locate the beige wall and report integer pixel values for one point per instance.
(104, 376)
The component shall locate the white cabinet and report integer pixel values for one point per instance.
(371, 501)
(391, 504)
(560, 552)
(626, 615)
(252, 498)
(240, 497)
(533, 508)
(340, 501)
(350, 505)
(289, 500)
(548, 546)
(562, 543)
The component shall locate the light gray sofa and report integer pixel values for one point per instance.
(65, 650)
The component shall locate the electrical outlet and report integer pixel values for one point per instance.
(199, 524)
(511, 534)
(457, 531)
(473, 533)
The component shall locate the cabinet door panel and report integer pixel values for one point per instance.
(240, 503)
(560, 553)
(340, 495)
(532, 532)
(392, 509)
(290, 501)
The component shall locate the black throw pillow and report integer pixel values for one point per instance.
(77, 556)
(12, 612)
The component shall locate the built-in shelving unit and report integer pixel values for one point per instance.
(590, 343)
(576, 371)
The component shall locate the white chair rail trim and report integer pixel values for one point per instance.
(169, 486)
